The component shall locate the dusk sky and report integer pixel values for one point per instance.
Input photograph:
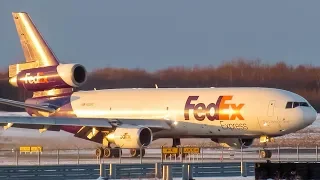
(157, 34)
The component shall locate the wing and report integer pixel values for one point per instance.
(25, 105)
(16, 121)
(64, 121)
(83, 126)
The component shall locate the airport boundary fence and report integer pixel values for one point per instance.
(129, 171)
(153, 155)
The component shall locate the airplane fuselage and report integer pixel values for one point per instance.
(193, 112)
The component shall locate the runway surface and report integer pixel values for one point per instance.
(152, 156)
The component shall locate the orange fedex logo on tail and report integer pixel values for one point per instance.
(221, 110)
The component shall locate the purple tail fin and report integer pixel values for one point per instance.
(36, 51)
(41, 72)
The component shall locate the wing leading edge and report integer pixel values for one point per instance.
(24, 105)
(89, 122)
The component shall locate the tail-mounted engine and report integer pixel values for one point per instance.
(51, 77)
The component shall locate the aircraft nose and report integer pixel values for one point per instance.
(310, 116)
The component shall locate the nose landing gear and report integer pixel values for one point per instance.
(264, 153)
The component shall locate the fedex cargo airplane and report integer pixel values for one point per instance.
(132, 118)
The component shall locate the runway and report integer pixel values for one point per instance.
(52, 157)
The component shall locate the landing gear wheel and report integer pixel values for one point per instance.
(265, 154)
(269, 153)
(107, 153)
(136, 152)
(116, 152)
(99, 152)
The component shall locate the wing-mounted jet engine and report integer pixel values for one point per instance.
(127, 137)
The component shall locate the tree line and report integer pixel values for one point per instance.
(303, 79)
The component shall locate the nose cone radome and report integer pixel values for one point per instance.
(309, 116)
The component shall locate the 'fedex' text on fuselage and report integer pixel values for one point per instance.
(221, 110)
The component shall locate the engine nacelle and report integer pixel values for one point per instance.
(128, 136)
(45, 78)
(233, 142)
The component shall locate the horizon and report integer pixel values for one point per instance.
(248, 61)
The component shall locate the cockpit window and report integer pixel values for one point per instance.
(304, 104)
(289, 105)
(296, 104)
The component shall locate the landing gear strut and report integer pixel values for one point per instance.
(265, 153)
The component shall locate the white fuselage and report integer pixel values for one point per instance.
(242, 112)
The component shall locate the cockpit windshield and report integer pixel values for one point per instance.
(296, 104)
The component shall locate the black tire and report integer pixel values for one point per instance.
(263, 154)
(107, 153)
(99, 152)
(116, 152)
(134, 152)
(269, 153)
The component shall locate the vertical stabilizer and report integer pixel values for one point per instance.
(41, 73)
(36, 51)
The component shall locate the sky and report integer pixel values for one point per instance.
(157, 34)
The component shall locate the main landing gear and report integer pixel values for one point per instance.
(116, 152)
(108, 152)
(264, 153)
(137, 152)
